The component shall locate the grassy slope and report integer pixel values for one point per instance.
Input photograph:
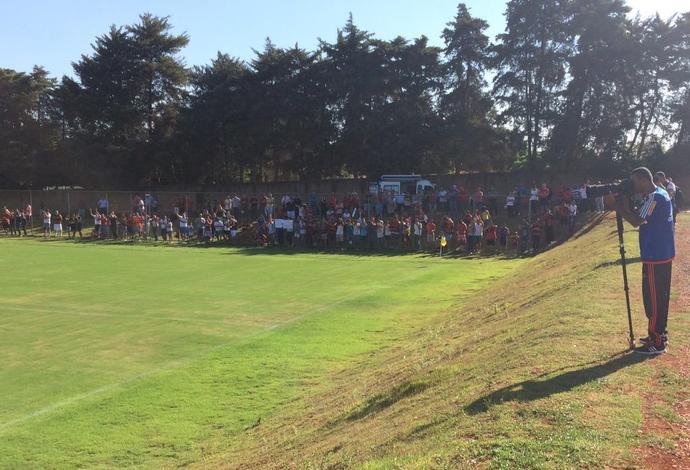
(529, 374)
(117, 355)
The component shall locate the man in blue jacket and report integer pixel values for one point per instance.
(657, 250)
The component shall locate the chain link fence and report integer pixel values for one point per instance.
(82, 202)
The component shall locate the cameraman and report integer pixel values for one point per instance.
(657, 250)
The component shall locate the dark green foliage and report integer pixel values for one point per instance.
(575, 84)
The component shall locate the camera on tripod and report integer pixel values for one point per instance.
(620, 188)
(615, 193)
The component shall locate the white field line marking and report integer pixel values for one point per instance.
(176, 364)
(182, 362)
(22, 309)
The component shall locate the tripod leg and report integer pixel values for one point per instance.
(626, 287)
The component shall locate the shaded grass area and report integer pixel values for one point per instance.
(532, 372)
(384, 400)
(130, 355)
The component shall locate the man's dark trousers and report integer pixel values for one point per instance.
(656, 292)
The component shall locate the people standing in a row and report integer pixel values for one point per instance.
(14, 222)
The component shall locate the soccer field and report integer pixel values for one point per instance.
(121, 355)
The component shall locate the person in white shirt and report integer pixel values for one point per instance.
(533, 198)
(268, 212)
(599, 202)
(572, 214)
(301, 231)
(47, 216)
(218, 228)
(417, 229)
(381, 229)
(583, 194)
(356, 231)
(670, 188)
(271, 228)
(96, 223)
(163, 227)
(57, 226)
(340, 232)
(666, 183)
(510, 204)
(28, 213)
(183, 226)
(236, 206)
(139, 205)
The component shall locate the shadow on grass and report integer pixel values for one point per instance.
(530, 390)
(391, 252)
(384, 400)
(244, 250)
(592, 221)
(628, 261)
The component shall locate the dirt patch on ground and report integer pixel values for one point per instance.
(677, 430)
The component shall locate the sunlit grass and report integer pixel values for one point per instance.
(119, 355)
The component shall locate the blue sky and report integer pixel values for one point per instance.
(56, 33)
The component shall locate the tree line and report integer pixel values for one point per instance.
(568, 85)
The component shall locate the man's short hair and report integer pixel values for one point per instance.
(643, 172)
(661, 174)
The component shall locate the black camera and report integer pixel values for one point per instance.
(622, 188)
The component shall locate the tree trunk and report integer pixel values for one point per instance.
(645, 128)
(528, 120)
(638, 129)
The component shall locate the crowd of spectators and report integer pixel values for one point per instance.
(526, 219)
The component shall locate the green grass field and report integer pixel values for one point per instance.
(149, 356)
(121, 355)
(530, 373)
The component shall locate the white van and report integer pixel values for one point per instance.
(405, 184)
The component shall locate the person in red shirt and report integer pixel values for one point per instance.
(394, 226)
(544, 195)
(536, 235)
(138, 225)
(563, 214)
(549, 226)
(515, 241)
(478, 199)
(6, 216)
(463, 199)
(503, 237)
(462, 233)
(331, 228)
(104, 226)
(430, 234)
(448, 227)
(490, 235)
(432, 202)
(58, 224)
